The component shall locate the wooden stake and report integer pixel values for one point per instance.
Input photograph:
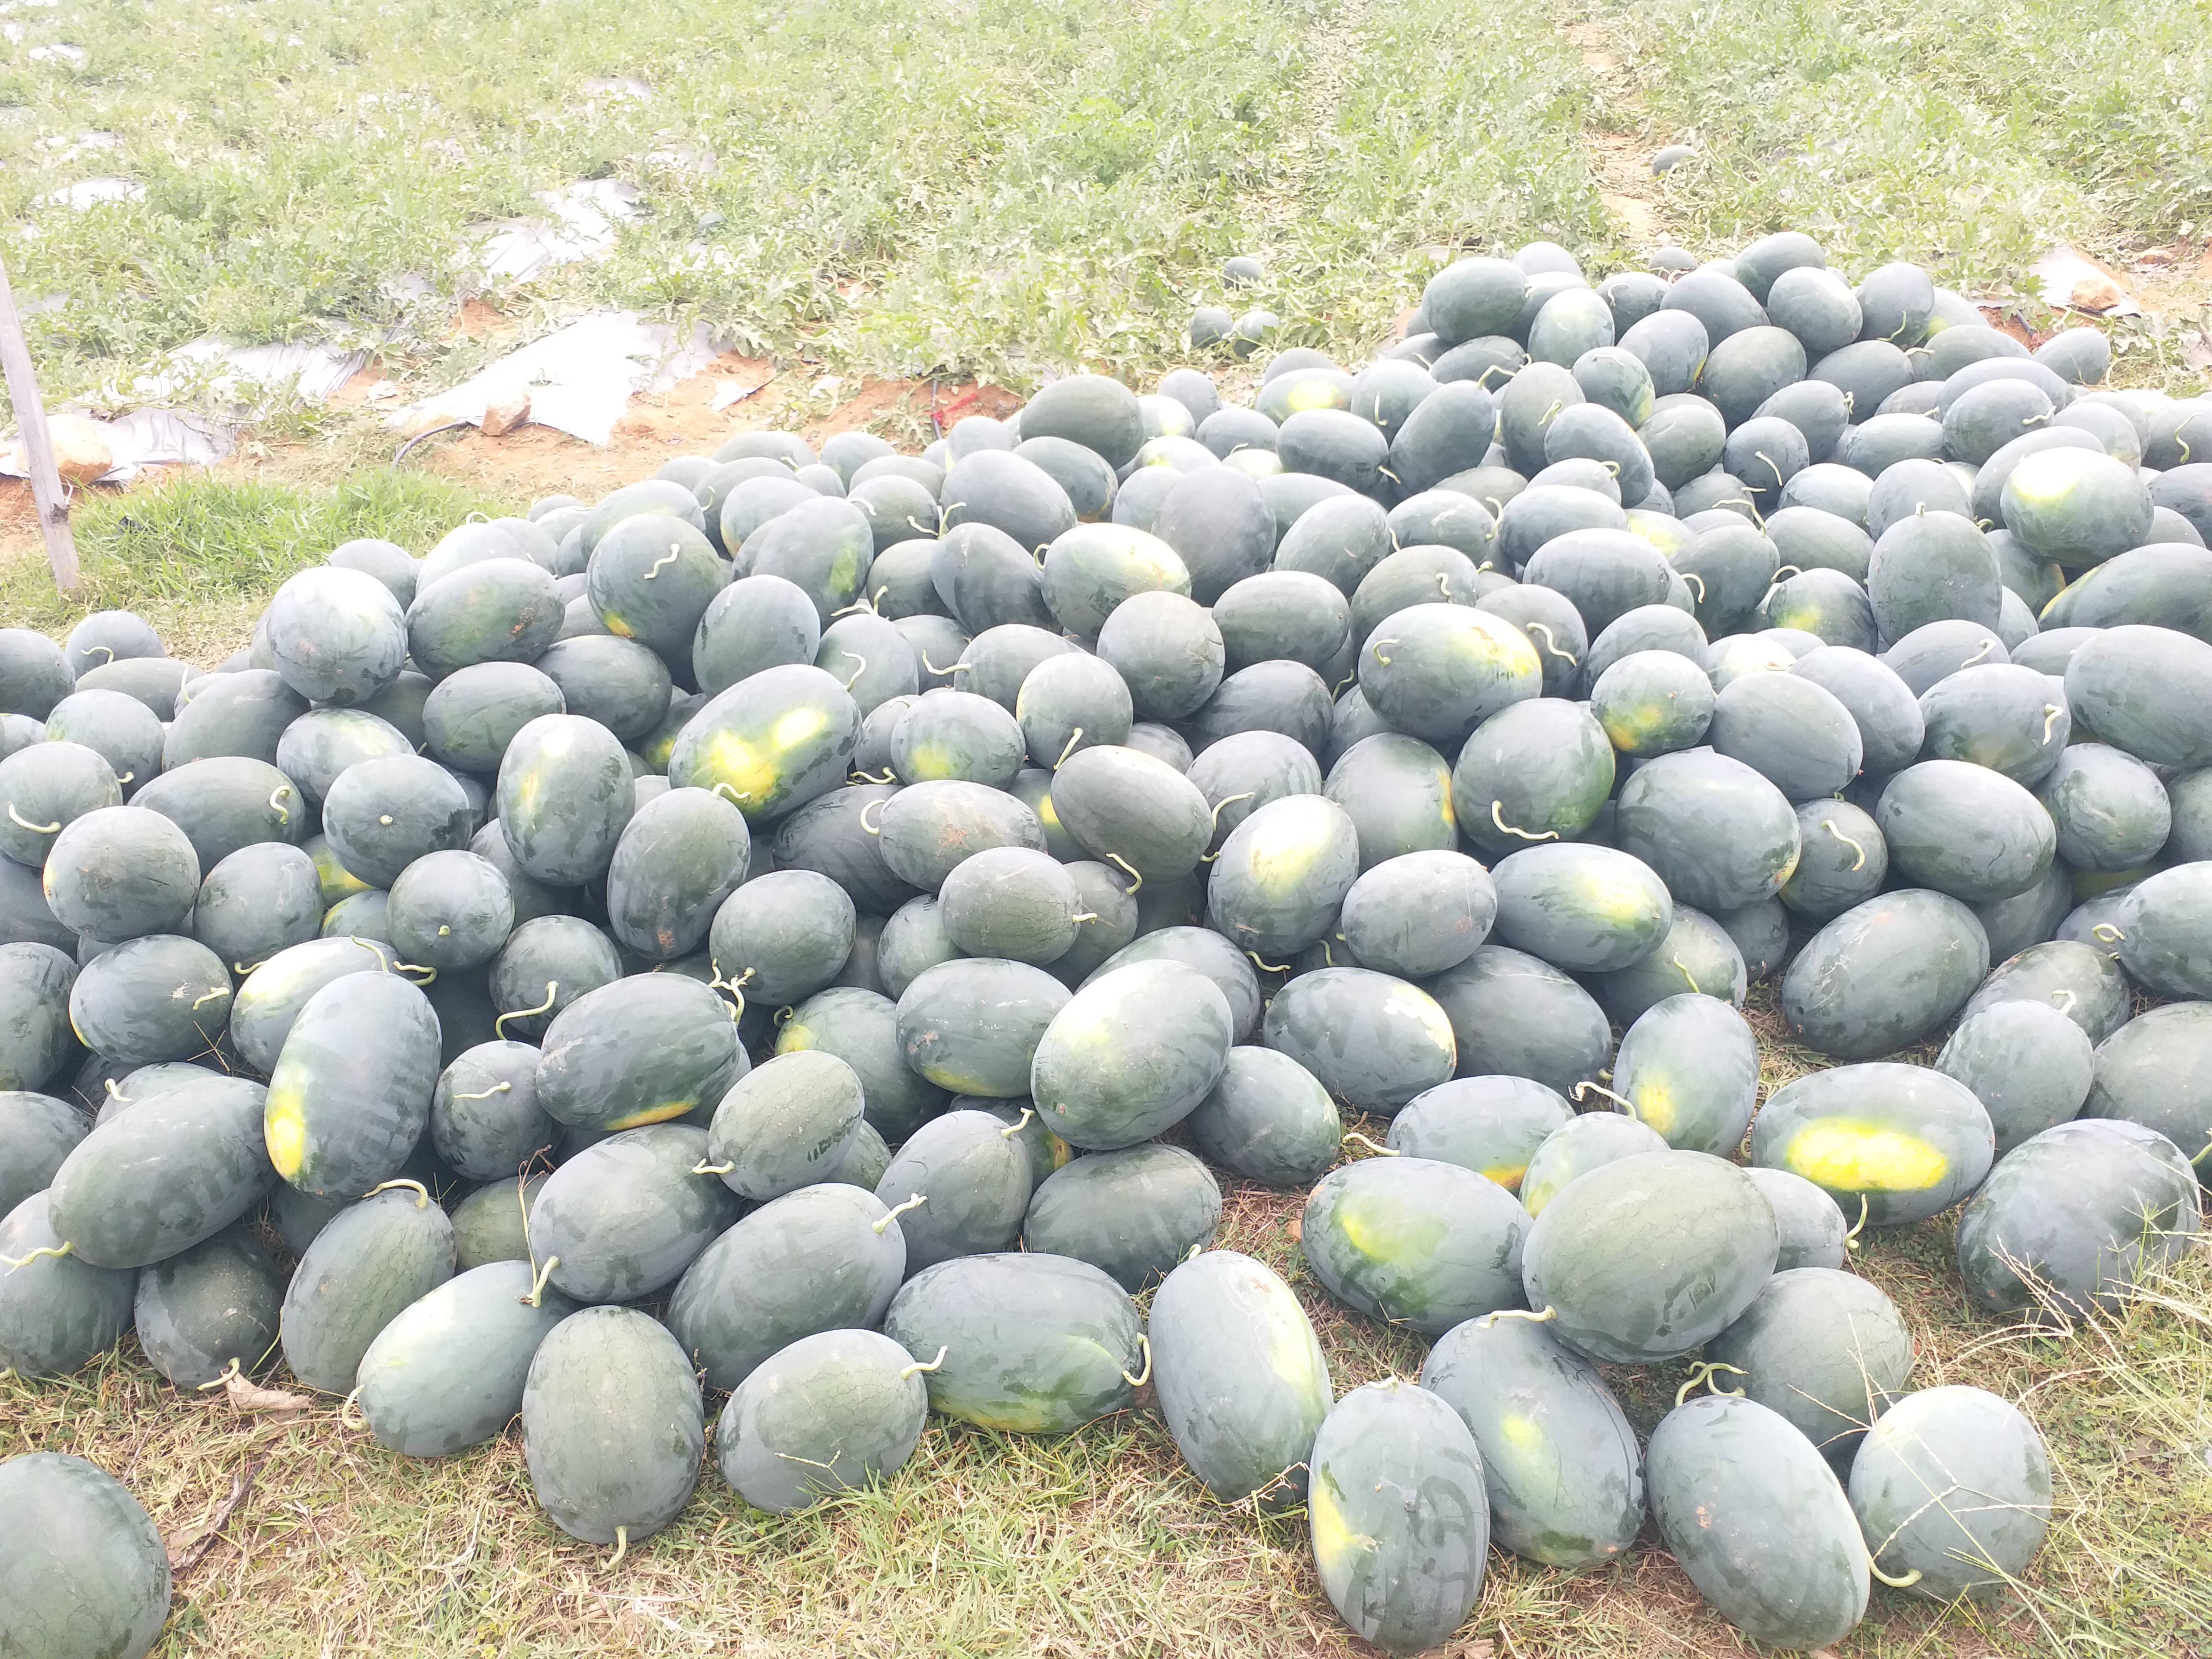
(46, 491)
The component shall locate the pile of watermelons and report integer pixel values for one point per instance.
(817, 928)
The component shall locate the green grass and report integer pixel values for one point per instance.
(198, 556)
(1968, 137)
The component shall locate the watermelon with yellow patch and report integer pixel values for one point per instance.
(1283, 872)
(771, 742)
(1027, 1343)
(350, 1094)
(1906, 1141)
(1492, 1125)
(1559, 1461)
(641, 1050)
(1415, 1241)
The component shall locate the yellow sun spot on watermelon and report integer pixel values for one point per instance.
(284, 1129)
(751, 775)
(1655, 1105)
(1621, 900)
(1333, 1541)
(617, 625)
(1507, 1176)
(1848, 1157)
(1630, 727)
(1381, 1233)
(1286, 846)
(798, 726)
(659, 1112)
(794, 1038)
(1315, 393)
(1450, 817)
(1520, 1432)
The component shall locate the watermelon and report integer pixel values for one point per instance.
(973, 1182)
(1026, 1344)
(1131, 1054)
(1514, 1015)
(45, 787)
(1824, 1349)
(1716, 832)
(1653, 703)
(1373, 1041)
(677, 861)
(957, 734)
(1399, 1515)
(1577, 1146)
(973, 1026)
(1492, 1125)
(1966, 831)
(819, 1259)
(757, 623)
(176, 1169)
(86, 1569)
(861, 1029)
(641, 1050)
(1585, 908)
(786, 1124)
(626, 1215)
(239, 715)
(1539, 770)
(832, 1412)
(1219, 525)
(120, 729)
(1136, 1212)
(2152, 1072)
(349, 1094)
(2029, 1065)
(226, 802)
(492, 1224)
(57, 1312)
(1014, 902)
(1688, 1068)
(1242, 1382)
(1649, 1256)
(1415, 1241)
(1268, 1119)
(257, 902)
(1281, 877)
(1952, 1488)
(783, 935)
(1759, 1521)
(1436, 670)
(2078, 507)
(2163, 941)
(1844, 863)
(1885, 973)
(605, 1463)
(449, 911)
(1790, 730)
(162, 997)
(369, 1263)
(448, 1372)
(1902, 1142)
(2144, 690)
(1418, 914)
(1559, 1461)
(484, 1121)
(36, 1132)
(546, 963)
(771, 743)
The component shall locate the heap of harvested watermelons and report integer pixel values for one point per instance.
(818, 928)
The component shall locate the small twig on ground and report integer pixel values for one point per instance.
(183, 1561)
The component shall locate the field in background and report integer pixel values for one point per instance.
(1001, 188)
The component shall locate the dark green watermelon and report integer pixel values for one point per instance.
(372, 1260)
(1759, 1521)
(608, 1465)
(1952, 1489)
